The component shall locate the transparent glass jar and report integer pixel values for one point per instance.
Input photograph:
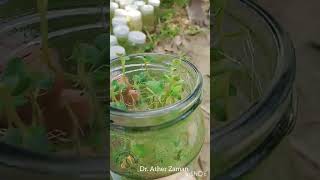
(148, 17)
(118, 20)
(139, 4)
(156, 5)
(121, 32)
(69, 22)
(113, 40)
(135, 20)
(116, 51)
(169, 136)
(136, 42)
(113, 7)
(265, 112)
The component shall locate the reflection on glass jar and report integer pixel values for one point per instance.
(50, 145)
(262, 110)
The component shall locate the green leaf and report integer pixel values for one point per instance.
(22, 86)
(155, 86)
(176, 91)
(182, 3)
(42, 81)
(19, 101)
(119, 105)
(90, 53)
(217, 54)
(122, 87)
(36, 139)
(102, 41)
(148, 47)
(96, 140)
(99, 78)
(115, 85)
(140, 78)
(139, 150)
(13, 136)
(219, 4)
(148, 59)
(16, 77)
(13, 67)
(86, 53)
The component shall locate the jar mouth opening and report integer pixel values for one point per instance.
(189, 99)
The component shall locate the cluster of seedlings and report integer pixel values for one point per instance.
(147, 90)
(46, 107)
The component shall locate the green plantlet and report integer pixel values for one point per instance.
(147, 90)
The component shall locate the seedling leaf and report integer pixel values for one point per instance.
(13, 136)
(36, 139)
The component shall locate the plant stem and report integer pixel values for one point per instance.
(123, 64)
(43, 10)
(37, 116)
(10, 109)
(76, 127)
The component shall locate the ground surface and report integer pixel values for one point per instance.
(298, 156)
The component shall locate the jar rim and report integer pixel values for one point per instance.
(191, 99)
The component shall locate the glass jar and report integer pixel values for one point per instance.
(113, 40)
(136, 42)
(131, 7)
(121, 32)
(148, 17)
(120, 13)
(156, 5)
(113, 7)
(264, 110)
(70, 22)
(159, 138)
(117, 21)
(135, 20)
(139, 4)
(116, 51)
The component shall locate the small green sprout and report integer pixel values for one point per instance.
(147, 90)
